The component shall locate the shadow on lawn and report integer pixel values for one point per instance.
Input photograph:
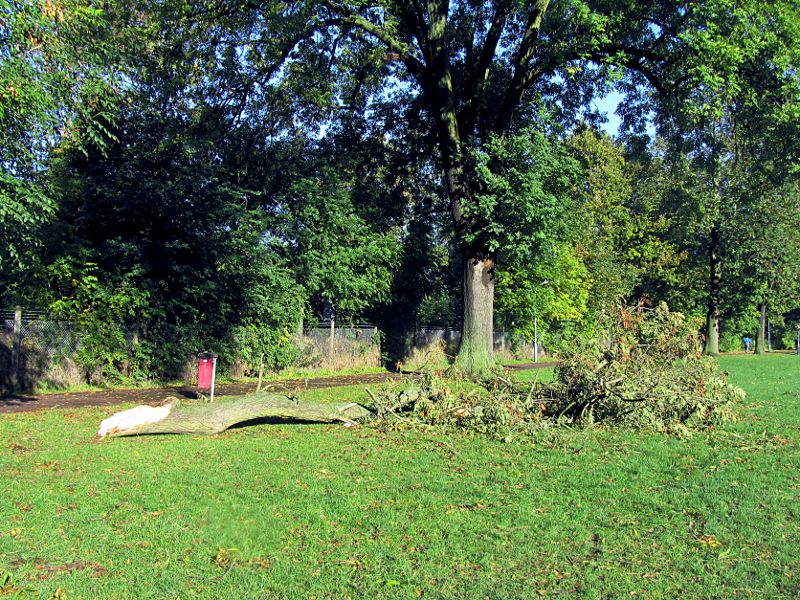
(273, 421)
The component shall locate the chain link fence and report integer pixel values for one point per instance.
(36, 347)
(40, 333)
(328, 346)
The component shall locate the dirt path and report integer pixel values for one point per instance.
(25, 403)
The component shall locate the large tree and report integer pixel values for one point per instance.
(478, 71)
(735, 122)
(473, 75)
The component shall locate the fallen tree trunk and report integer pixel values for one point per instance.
(208, 419)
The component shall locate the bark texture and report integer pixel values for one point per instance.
(712, 334)
(475, 356)
(208, 419)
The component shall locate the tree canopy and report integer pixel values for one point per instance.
(166, 167)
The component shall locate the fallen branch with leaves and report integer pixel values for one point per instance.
(642, 370)
(207, 419)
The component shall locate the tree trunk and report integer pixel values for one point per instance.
(712, 333)
(714, 285)
(761, 335)
(207, 419)
(475, 355)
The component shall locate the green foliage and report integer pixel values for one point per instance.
(433, 402)
(556, 288)
(470, 79)
(663, 245)
(153, 216)
(608, 224)
(527, 213)
(436, 309)
(523, 206)
(100, 312)
(729, 136)
(54, 71)
(643, 370)
(342, 259)
(272, 309)
(353, 155)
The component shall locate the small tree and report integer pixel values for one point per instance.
(524, 214)
(337, 256)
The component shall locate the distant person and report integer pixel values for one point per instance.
(748, 341)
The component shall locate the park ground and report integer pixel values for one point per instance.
(281, 383)
(323, 511)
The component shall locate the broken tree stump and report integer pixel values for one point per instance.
(208, 419)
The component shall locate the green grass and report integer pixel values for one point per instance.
(292, 373)
(532, 375)
(301, 511)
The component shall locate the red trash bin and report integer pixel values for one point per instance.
(206, 371)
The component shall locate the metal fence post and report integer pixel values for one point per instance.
(16, 348)
(769, 337)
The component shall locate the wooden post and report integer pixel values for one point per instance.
(535, 340)
(213, 376)
(16, 348)
(330, 342)
(260, 373)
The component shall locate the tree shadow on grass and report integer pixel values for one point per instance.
(273, 421)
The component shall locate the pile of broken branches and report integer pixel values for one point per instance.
(642, 371)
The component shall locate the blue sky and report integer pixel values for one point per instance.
(608, 105)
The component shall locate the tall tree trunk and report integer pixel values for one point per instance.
(475, 355)
(761, 336)
(714, 285)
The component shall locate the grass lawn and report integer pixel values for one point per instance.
(302, 511)
(534, 375)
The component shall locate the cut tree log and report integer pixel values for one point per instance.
(208, 419)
